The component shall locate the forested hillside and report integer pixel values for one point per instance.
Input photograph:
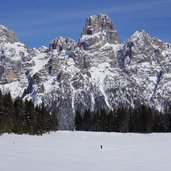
(21, 117)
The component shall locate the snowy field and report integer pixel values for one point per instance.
(80, 151)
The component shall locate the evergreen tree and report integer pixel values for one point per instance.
(110, 121)
(8, 113)
(87, 121)
(1, 113)
(96, 121)
(78, 121)
(18, 118)
(54, 119)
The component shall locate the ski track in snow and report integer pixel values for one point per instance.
(80, 151)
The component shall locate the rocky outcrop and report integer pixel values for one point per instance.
(62, 44)
(98, 30)
(7, 35)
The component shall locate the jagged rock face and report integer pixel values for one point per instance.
(62, 44)
(146, 60)
(14, 59)
(14, 56)
(7, 35)
(91, 75)
(98, 30)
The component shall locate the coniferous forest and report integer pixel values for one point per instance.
(22, 117)
(141, 119)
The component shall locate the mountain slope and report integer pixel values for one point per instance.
(97, 72)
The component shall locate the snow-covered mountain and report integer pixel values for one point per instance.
(96, 72)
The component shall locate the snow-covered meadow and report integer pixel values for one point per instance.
(80, 151)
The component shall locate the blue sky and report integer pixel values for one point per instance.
(39, 21)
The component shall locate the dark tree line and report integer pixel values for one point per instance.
(141, 119)
(18, 116)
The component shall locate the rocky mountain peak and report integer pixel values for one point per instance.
(98, 30)
(61, 43)
(95, 24)
(142, 39)
(141, 34)
(7, 35)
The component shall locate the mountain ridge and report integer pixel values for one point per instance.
(95, 72)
